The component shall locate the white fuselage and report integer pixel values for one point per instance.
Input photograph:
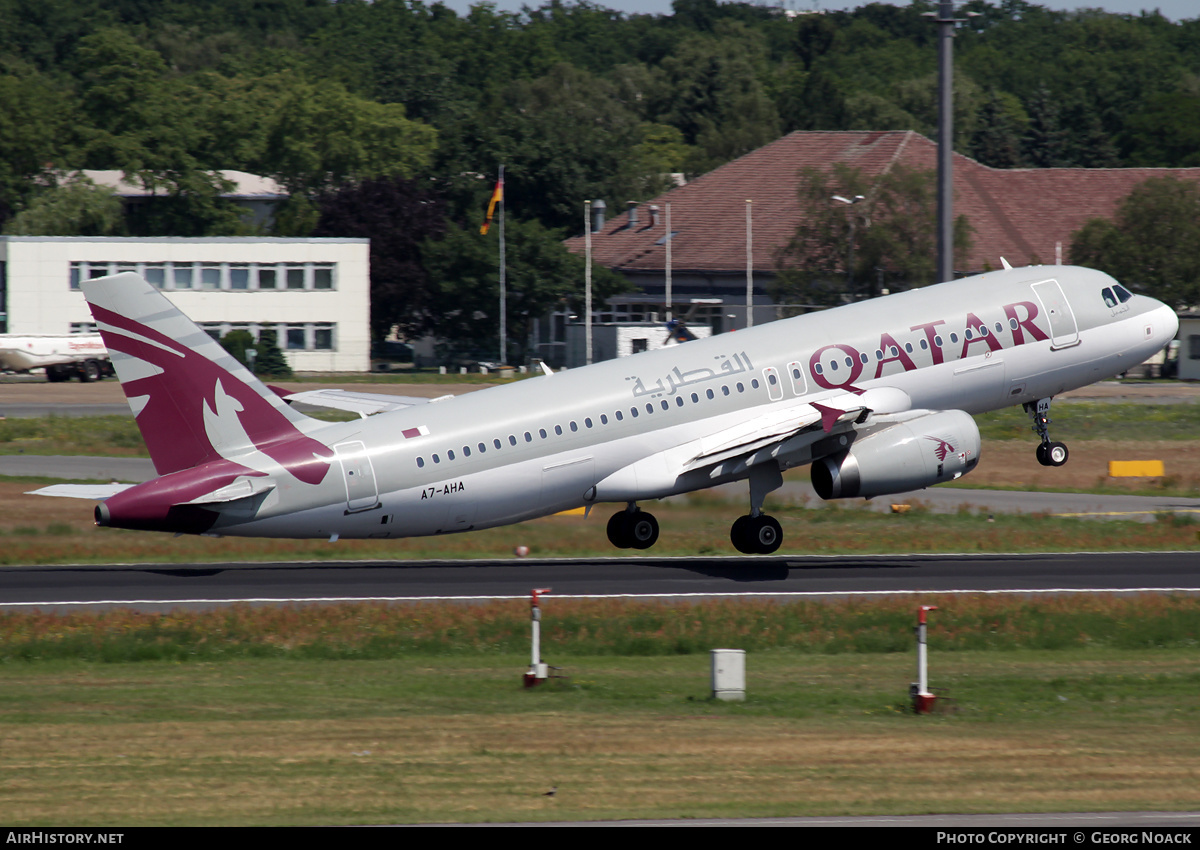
(551, 443)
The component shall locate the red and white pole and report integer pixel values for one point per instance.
(538, 672)
(923, 700)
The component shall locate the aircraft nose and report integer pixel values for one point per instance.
(1165, 324)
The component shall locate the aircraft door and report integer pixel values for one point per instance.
(358, 475)
(1063, 331)
(774, 387)
(799, 384)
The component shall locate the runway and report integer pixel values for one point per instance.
(797, 490)
(164, 586)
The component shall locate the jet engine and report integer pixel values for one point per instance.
(907, 455)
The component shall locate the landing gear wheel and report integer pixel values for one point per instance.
(632, 529)
(760, 535)
(738, 536)
(643, 530)
(1052, 454)
(1056, 454)
(618, 531)
(89, 371)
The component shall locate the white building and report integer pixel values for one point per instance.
(314, 293)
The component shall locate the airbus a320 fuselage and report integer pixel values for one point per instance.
(877, 396)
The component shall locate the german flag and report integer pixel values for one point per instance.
(497, 197)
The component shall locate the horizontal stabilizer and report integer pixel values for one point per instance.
(95, 492)
(364, 404)
(243, 488)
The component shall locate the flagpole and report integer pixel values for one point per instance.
(668, 261)
(503, 285)
(749, 269)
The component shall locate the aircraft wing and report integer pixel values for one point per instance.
(364, 404)
(758, 438)
(95, 492)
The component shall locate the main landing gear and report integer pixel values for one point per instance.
(756, 533)
(633, 528)
(1048, 453)
(753, 534)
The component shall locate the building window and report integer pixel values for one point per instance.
(210, 277)
(217, 276)
(239, 276)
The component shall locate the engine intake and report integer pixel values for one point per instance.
(908, 455)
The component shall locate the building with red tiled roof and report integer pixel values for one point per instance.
(1026, 215)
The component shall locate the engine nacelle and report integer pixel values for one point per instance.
(908, 455)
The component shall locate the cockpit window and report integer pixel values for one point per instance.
(1110, 300)
(1122, 293)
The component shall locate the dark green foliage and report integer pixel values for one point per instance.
(1153, 242)
(236, 343)
(270, 362)
(322, 93)
(399, 216)
(886, 239)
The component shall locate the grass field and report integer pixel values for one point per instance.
(375, 714)
(36, 530)
(368, 714)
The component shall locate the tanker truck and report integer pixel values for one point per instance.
(63, 356)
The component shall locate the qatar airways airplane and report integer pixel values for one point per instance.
(876, 395)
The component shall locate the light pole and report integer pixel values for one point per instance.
(850, 251)
(945, 20)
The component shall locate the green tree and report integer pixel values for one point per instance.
(714, 94)
(565, 137)
(1152, 244)
(270, 362)
(889, 238)
(1165, 132)
(36, 117)
(400, 217)
(541, 274)
(236, 343)
(322, 136)
(76, 208)
(999, 127)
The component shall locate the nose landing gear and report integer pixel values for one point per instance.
(1049, 453)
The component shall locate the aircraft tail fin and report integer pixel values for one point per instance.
(192, 400)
